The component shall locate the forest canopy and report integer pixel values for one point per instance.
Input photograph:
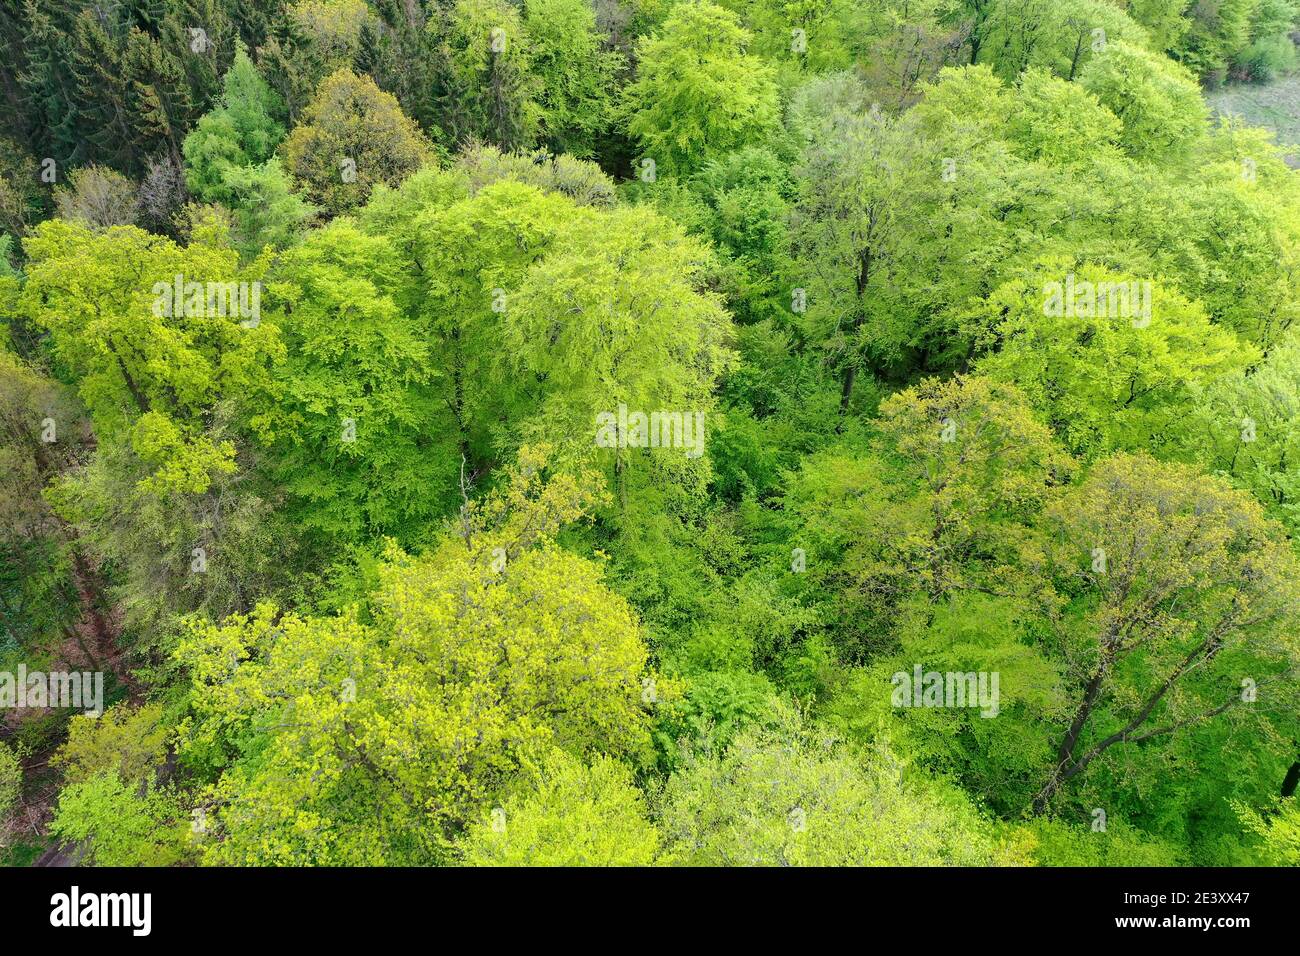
(647, 433)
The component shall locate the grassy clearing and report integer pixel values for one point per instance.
(1275, 105)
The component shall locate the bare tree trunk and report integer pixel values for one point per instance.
(1292, 778)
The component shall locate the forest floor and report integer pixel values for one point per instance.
(91, 644)
(1275, 106)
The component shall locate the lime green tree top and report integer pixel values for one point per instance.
(794, 795)
(150, 364)
(1060, 123)
(618, 312)
(1157, 100)
(370, 741)
(119, 823)
(698, 93)
(578, 76)
(1242, 426)
(571, 815)
(1058, 35)
(941, 506)
(351, 419)
(1279, 832)
(1109, 360)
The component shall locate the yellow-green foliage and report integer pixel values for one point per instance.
(697, 92)
(1279, 832)
(11, 781)
(990, 347)
(1057, 842)
(567, 814)
(1114, 360)
(367, 741)
(115, 823)
(148, 368)
(795, 796)
(130, 741)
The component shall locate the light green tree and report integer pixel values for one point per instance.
(348, 741)
(1059, 123)
(1157, 100)
(1056, 35)
(114, 823)
(1109, 360)
(265, 210)
(796, 796)
(1240, 425)
(464, 259)
(578, 76)
(698, 93)
(150, 364)
(567, 814)
(242, 130)
(1279, 832)
(942, 506)
(129, 741)
(1182, 596)
(351, 422)
(616, 314)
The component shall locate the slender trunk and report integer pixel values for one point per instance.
(458, 401)
(89, 590)
(851, 373)
(619, 478)
(1062, 769)
(75, 634)
(846, 393)
(141, 402)
(1292, 778)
